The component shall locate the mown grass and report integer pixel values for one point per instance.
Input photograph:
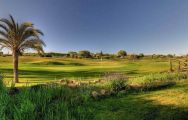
(40, 70)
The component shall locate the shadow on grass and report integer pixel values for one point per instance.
(29, 74)
(58, 63)
(52, 75)
(137, 107)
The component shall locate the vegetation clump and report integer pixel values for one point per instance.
(46, 102)
(118, 85)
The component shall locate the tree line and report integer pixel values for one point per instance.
(87, 54)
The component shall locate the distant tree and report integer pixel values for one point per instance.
(72, 54)
(19, 37)
(47, 55)
(141, 55)
(84, 54)
(170, 55)
(107, 56)
(152, 56)
(122, 53)
(101, 53)
(133, 57)
(171, 69)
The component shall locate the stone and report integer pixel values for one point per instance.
(103, 92)
(63, 82)
(95, 94)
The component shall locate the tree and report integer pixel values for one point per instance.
(84, 54)
(122, 53)
(18, 37)
(170, 56)
(133, 57)
(141, 55)
(101, 55)
(72, 54)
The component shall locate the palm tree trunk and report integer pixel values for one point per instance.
(171, 69)
(15, 63)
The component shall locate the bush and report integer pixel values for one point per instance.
(118, 85)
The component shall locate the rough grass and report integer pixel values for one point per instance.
(51, 102)
(157, 80)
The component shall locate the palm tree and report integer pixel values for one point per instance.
(18, 37)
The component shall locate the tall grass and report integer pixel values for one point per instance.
(49, 102)
(158, 77)
(157, 80)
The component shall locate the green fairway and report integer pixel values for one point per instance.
(37, 69)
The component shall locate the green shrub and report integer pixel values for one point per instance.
(118, 85)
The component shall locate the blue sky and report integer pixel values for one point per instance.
(137, 26)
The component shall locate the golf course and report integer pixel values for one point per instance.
(161, 94)
(35, 69)
(93, 60)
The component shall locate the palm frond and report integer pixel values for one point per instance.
(36, 42)
(32, 45)
(7, 22)
(24, 26)
(31, 33)
(39, 32)
(4, 27)
(5, 43)
(3, 34)
(20, 36)
(13, 23)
